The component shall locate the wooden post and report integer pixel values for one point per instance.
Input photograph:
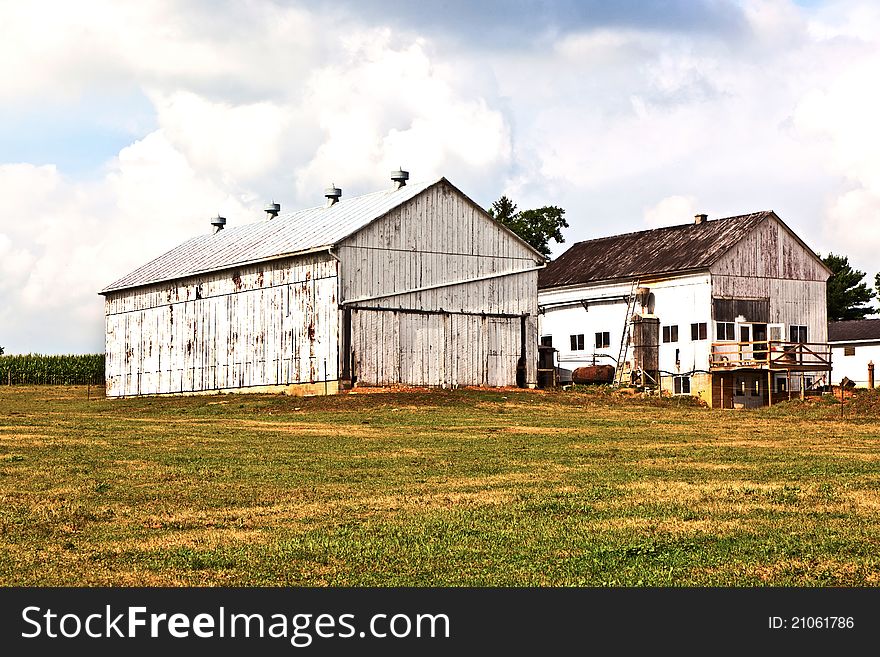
(788, 383)
(871, 374)
(769, 387)
(722, 392)
(841, 399)
(803, 392)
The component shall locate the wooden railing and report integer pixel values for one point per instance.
(772, 354)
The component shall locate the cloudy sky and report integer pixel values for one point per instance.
(125, 126)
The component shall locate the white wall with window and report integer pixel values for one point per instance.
(850, 360)
(599, 312)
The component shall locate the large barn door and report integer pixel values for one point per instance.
(502, 350)
(434, 348)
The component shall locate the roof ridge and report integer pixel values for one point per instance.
(677, 226)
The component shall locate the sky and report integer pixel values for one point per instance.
(124, 127)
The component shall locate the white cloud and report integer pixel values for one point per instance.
(237, 142)
(388, 106)
(671, 211)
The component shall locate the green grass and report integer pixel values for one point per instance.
(442, 488)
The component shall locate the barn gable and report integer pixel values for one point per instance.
(772, 250)
(436, 238)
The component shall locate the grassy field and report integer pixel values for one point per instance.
(447, 488)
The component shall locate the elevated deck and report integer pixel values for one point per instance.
(770, 355)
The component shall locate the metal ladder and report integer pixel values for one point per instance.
(624, 339)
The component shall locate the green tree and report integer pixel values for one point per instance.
(537, 227)
(847, 295)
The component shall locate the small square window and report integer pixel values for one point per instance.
(603, 339)
(577, 342)
(546, 340)
(670, 333)
(798, 333)
(698, 331)
(849, 351)
(681, 385)
(725, 331)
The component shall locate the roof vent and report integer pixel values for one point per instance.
(272, 209)
(399, 178)
(332, 194)
(218, 223)
(700, 218)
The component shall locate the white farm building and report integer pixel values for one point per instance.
(732, 310)
(855, 349)
(413, 285)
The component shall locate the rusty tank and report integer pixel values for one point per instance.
(593, 374)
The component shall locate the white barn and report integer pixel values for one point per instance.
(732, 310)
(413, 285)
(854, 344)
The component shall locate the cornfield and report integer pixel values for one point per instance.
(36, 369)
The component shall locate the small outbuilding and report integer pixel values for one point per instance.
(855, 350)
(412, 285)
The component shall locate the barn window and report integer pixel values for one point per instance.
(681, 385)
(798, 333)
(546, 340)
(603, 339)
(577, 342)
(670, 333)
(756, 387)
(698, 331)
(849, 351)
(725, 331)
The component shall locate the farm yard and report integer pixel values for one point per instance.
(435, 488)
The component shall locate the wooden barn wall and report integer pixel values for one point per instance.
(448, 349)
(771, 264)
(268, 324)
(770, 251)
(439, 238)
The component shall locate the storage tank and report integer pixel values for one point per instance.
(593, 374)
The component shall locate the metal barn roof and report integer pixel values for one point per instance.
(853, 330)
(648, 252)
(288, 234)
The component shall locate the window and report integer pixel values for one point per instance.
(681, 385)
(670, 333)
(546, 340)
(849, 351)
(698, 331)
(577, 342)
(756, 388)
(798, 333)
(740, 389)
(603, 339)
(725, 331)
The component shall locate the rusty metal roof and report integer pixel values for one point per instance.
(672, 249)
(288, 234)
(852, 330)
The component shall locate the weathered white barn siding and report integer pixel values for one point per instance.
(270, 324)
(440, 295)
(771, 263)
